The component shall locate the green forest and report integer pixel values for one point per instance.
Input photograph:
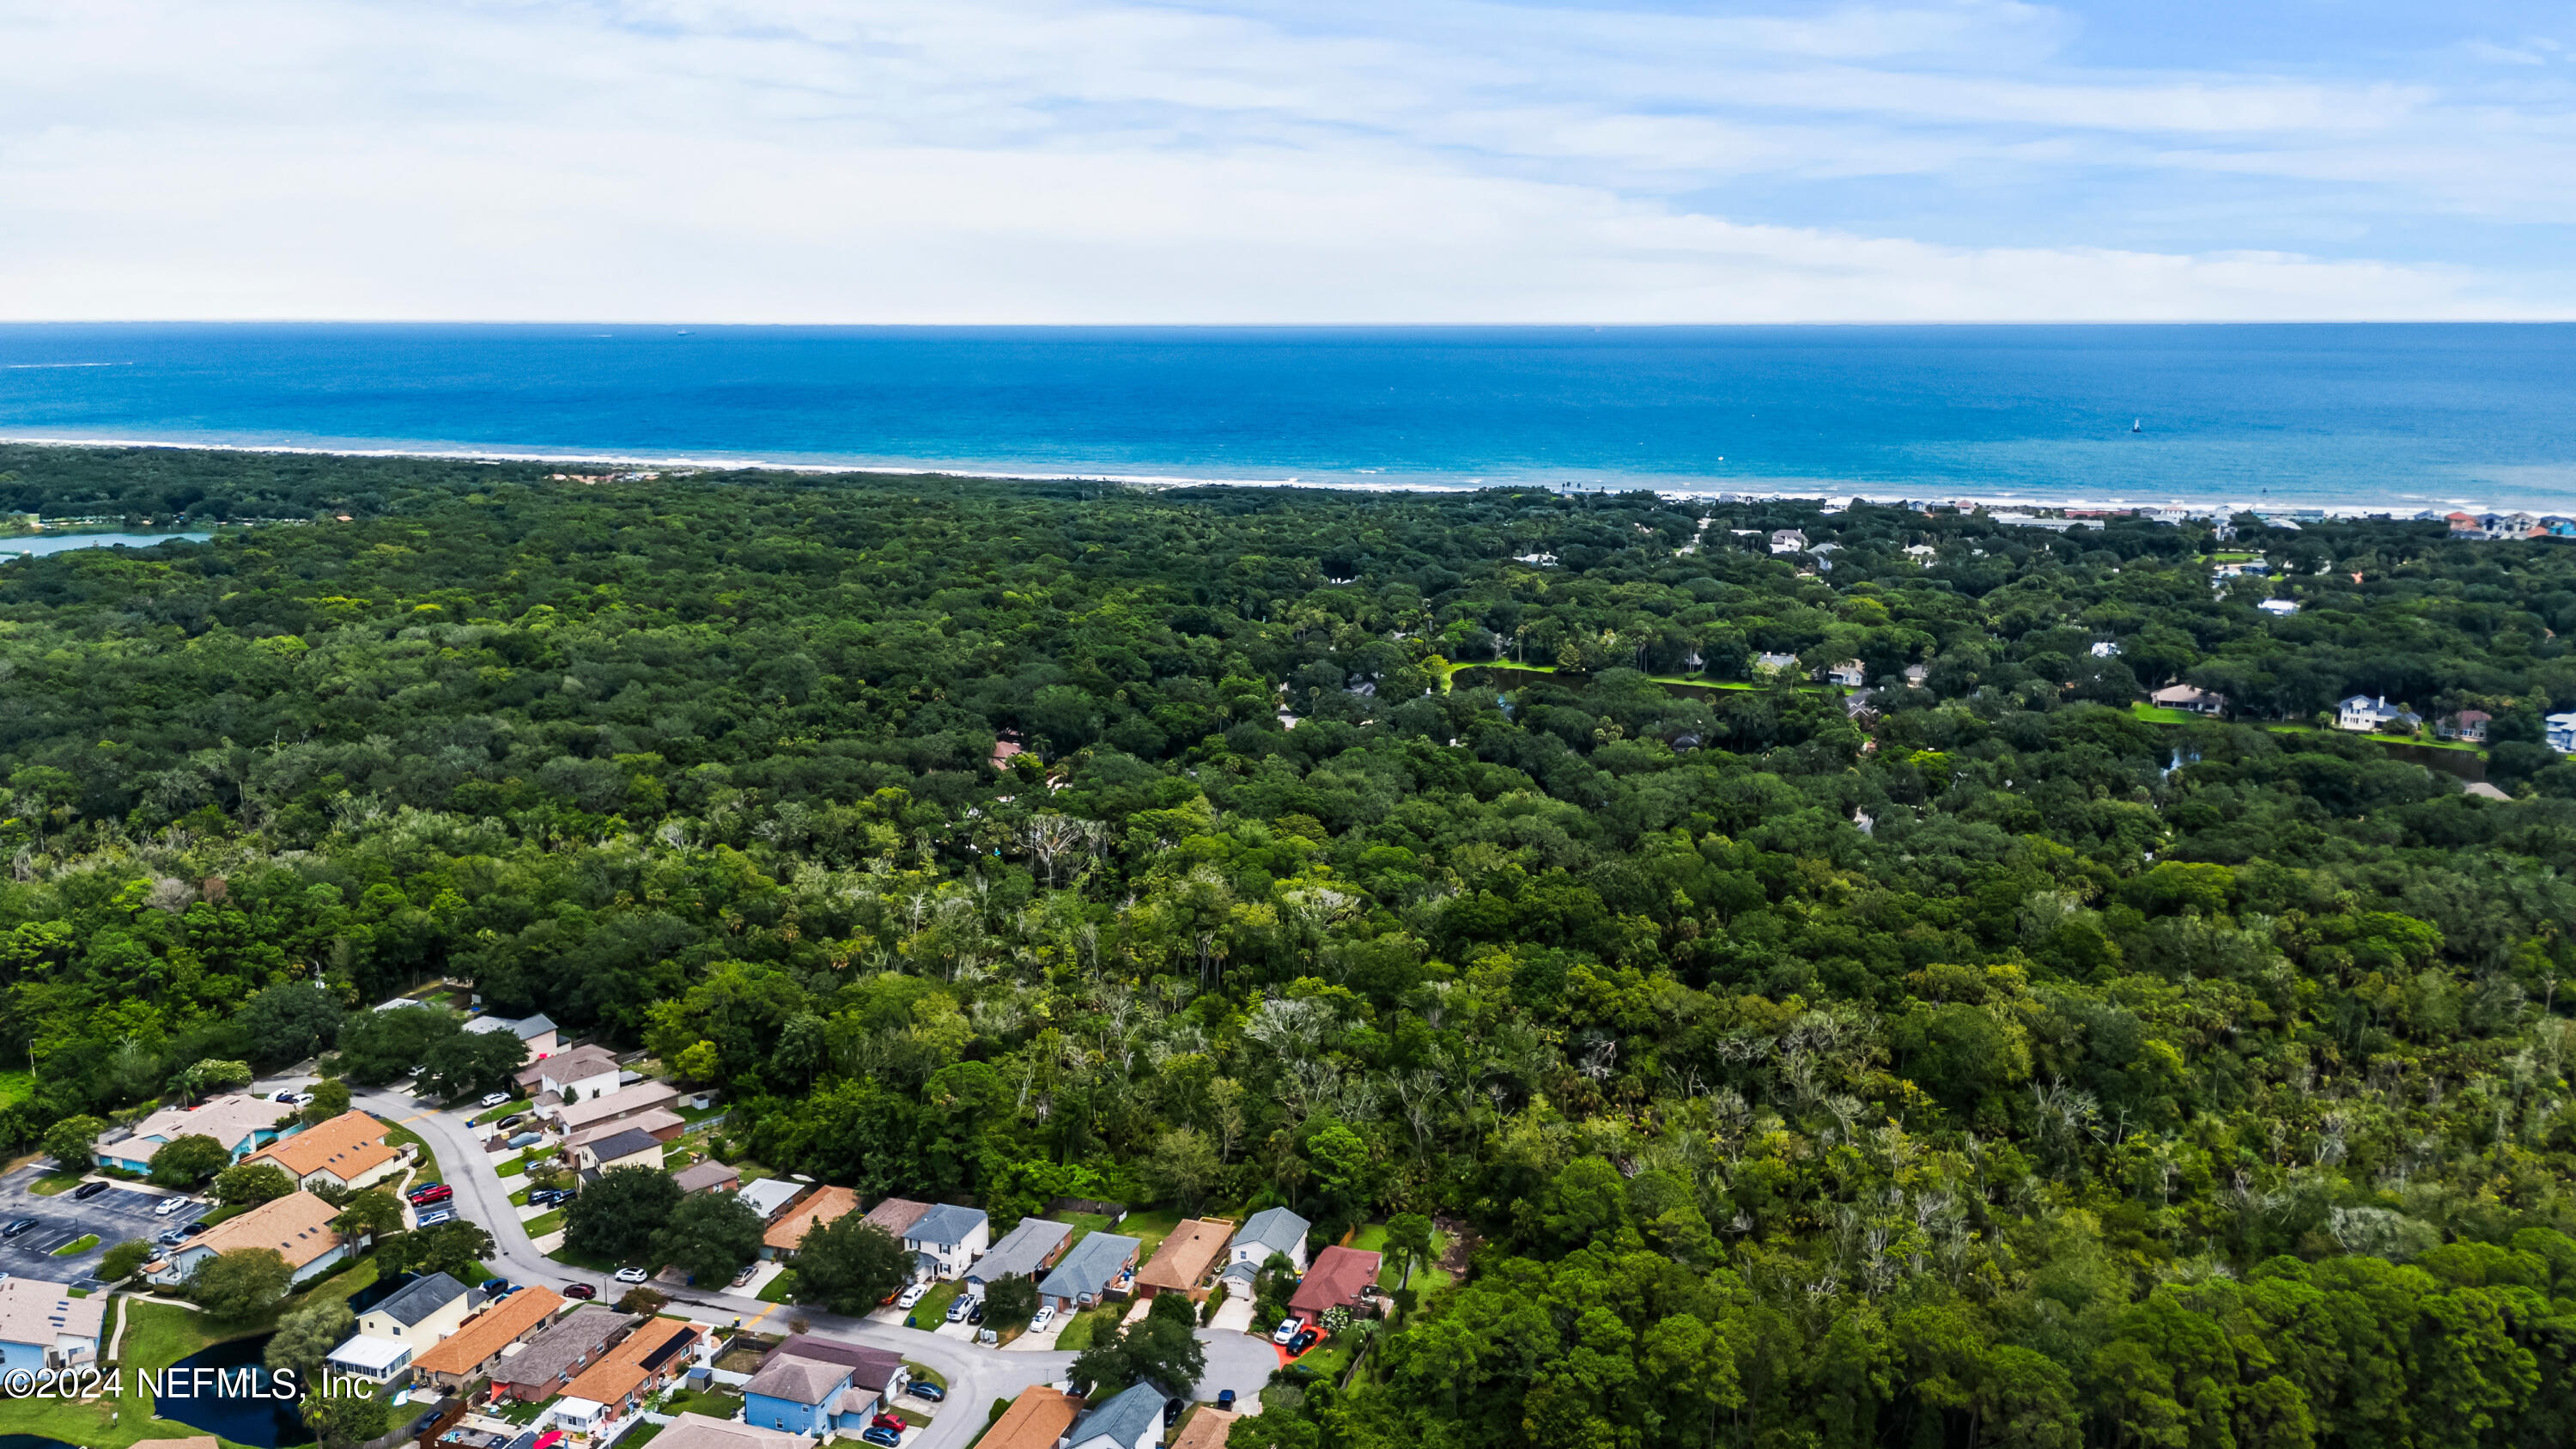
(1977, 1061)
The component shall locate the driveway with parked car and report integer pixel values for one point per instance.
(114, 1213)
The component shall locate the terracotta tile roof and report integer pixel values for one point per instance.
(621, 1370)
(487, 1333)
(1183, 1258)
(1337, 1277)
(826, 1205)
(347, 1146)
(1035, 1420)
(297, 1225)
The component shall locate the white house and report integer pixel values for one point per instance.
(297, 1227)
(2277, 608)
(580, 1074)
(537, 1031)
(2562, 732)
(1273, 1230)
(1774, 664)
(2104, 649)
(1850, 674)
(377, 1360)
(1788, 540)
(947, 1239)
(2364, 715)
(1133, 1420)
(43, 1326)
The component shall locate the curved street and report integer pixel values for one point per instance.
(976, 1375)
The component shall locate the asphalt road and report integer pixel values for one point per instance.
(976, 1375)
(116, 1215)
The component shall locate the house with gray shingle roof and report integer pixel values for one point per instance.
(948, 1238)
(1274, 1230)
(1099, 1265)
(1132, 1420)
(1026, 1251)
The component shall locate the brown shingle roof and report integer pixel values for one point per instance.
(496, 1328)
(1184, 1258)
(896, 1214)
(1206, 1430)
(1035, 1420)
(348, 1145)
(698, 1177)
(297, 1225)
(826, 1205)
(620, 1371)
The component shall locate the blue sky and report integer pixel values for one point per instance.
(1328, 160)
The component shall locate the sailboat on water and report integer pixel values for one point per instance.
(2137, 425)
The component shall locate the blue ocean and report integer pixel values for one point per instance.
(2372, 416)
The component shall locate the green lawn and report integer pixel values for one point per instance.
(1329, 1359)
(1090, 1323)
(16, 1087)
(778, 1289)
(518, 1412)
(544, 1223)
(81, 1244)
(425, 1165)
(715, 1405)
(54, 1183)
(1149, 1230)
(504, 1110)
(932, 1310)
(592, 1261)
(160, 1336)
(1427, 1276)
(926, 1373)
(640, 1435)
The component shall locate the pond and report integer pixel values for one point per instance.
(58, 542)
(32, 1441)
(253, 1419)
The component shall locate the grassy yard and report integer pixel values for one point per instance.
(81, 1244)
(54, 1183)
(1083, 1224)
(1329, 1359)
(1089, 1324)
(545, 1222)
(932, 1310)
(517, 1411)
(714, 1405)
(1149, 1230)
(640, 1435)
(779, 1289)
(16, 1087)
(592, 1261)
(159, 1336)
(1427, 1276)
(425, 1169)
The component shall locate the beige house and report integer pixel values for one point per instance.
(633, 1147)
(349, 1151)
(826, 1205)
(633, 1101)
(297, 1227)
(425, 1311)
(42, 1326)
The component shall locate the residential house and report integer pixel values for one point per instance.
(633, 1369)
(243, 1124)
(1099, 1265)
(1341, 1278)
(2561, 734)
(421, 1312)
(2277, 608)
(768, 1195)
(1182, 1260)
(537, 1031)
(2190, 698)
(880, 1371)
(1921, 552)
(377, 1360)
(548, 1362)
(1915, 674)
(2363, 714)
(577, 1075)
(297, 1226)
(663, 1125)
(1037, 1419)
(347, 1152)
(697, 1431)
(1132, 1420)
(2104, 649)
(633, 1147)
(707, 1176)
(42, 1326)
(1026, 1251)
(2469, 725)
(1272, 1230)
(897, 1215)
(1788, 540)
(475, 1349)
(1207, 1429)
(828, 1204)
(947, 1239)
(800, 1395)
(617, 1106)
(1850, 674)
(1768, 664)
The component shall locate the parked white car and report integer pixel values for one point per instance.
(1288, 1328)
(1044, 1317)
(912, 1295)
(632, 1275)
(171, 1205)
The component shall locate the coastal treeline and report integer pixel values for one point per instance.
(1970, 1060)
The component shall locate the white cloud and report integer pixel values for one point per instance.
(1099, 160)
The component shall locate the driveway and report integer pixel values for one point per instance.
(116, 1215)
(1234, 1315)
(1235, 1362)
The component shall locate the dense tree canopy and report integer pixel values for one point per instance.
(1977, 1059)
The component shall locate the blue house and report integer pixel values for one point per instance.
(797, 1395)
(241, 1124)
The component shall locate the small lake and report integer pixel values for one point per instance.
(59, 542)
(264, 1422)
(32, 1441)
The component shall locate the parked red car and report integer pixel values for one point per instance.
(436, 1192)
(889, 1421)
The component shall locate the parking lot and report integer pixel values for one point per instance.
(117, 1215)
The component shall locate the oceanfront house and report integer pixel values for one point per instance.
(1272, 1230)
(1132, 1420)
(42, 1326)
(946, 1240)
(821, 1386)
(1788, 540)
(632, 1147)
(577, 1075)
(547, 1363)
(2190, 698)
(617, 1106)
(422, 1312)
(633, 1370)
(2468, 726)
(828, 1204)
(241, 1124)
(1037, 1419)
(346, 1153)
(1341, 1278)
(2561, 734)
(537, 1031)
(297, 1226)
(1027, 1251)
(708, 1176)
(768, 1196)
(1182, 1261)
(1099, 1265)
(2363, 714)
(475, 1349)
